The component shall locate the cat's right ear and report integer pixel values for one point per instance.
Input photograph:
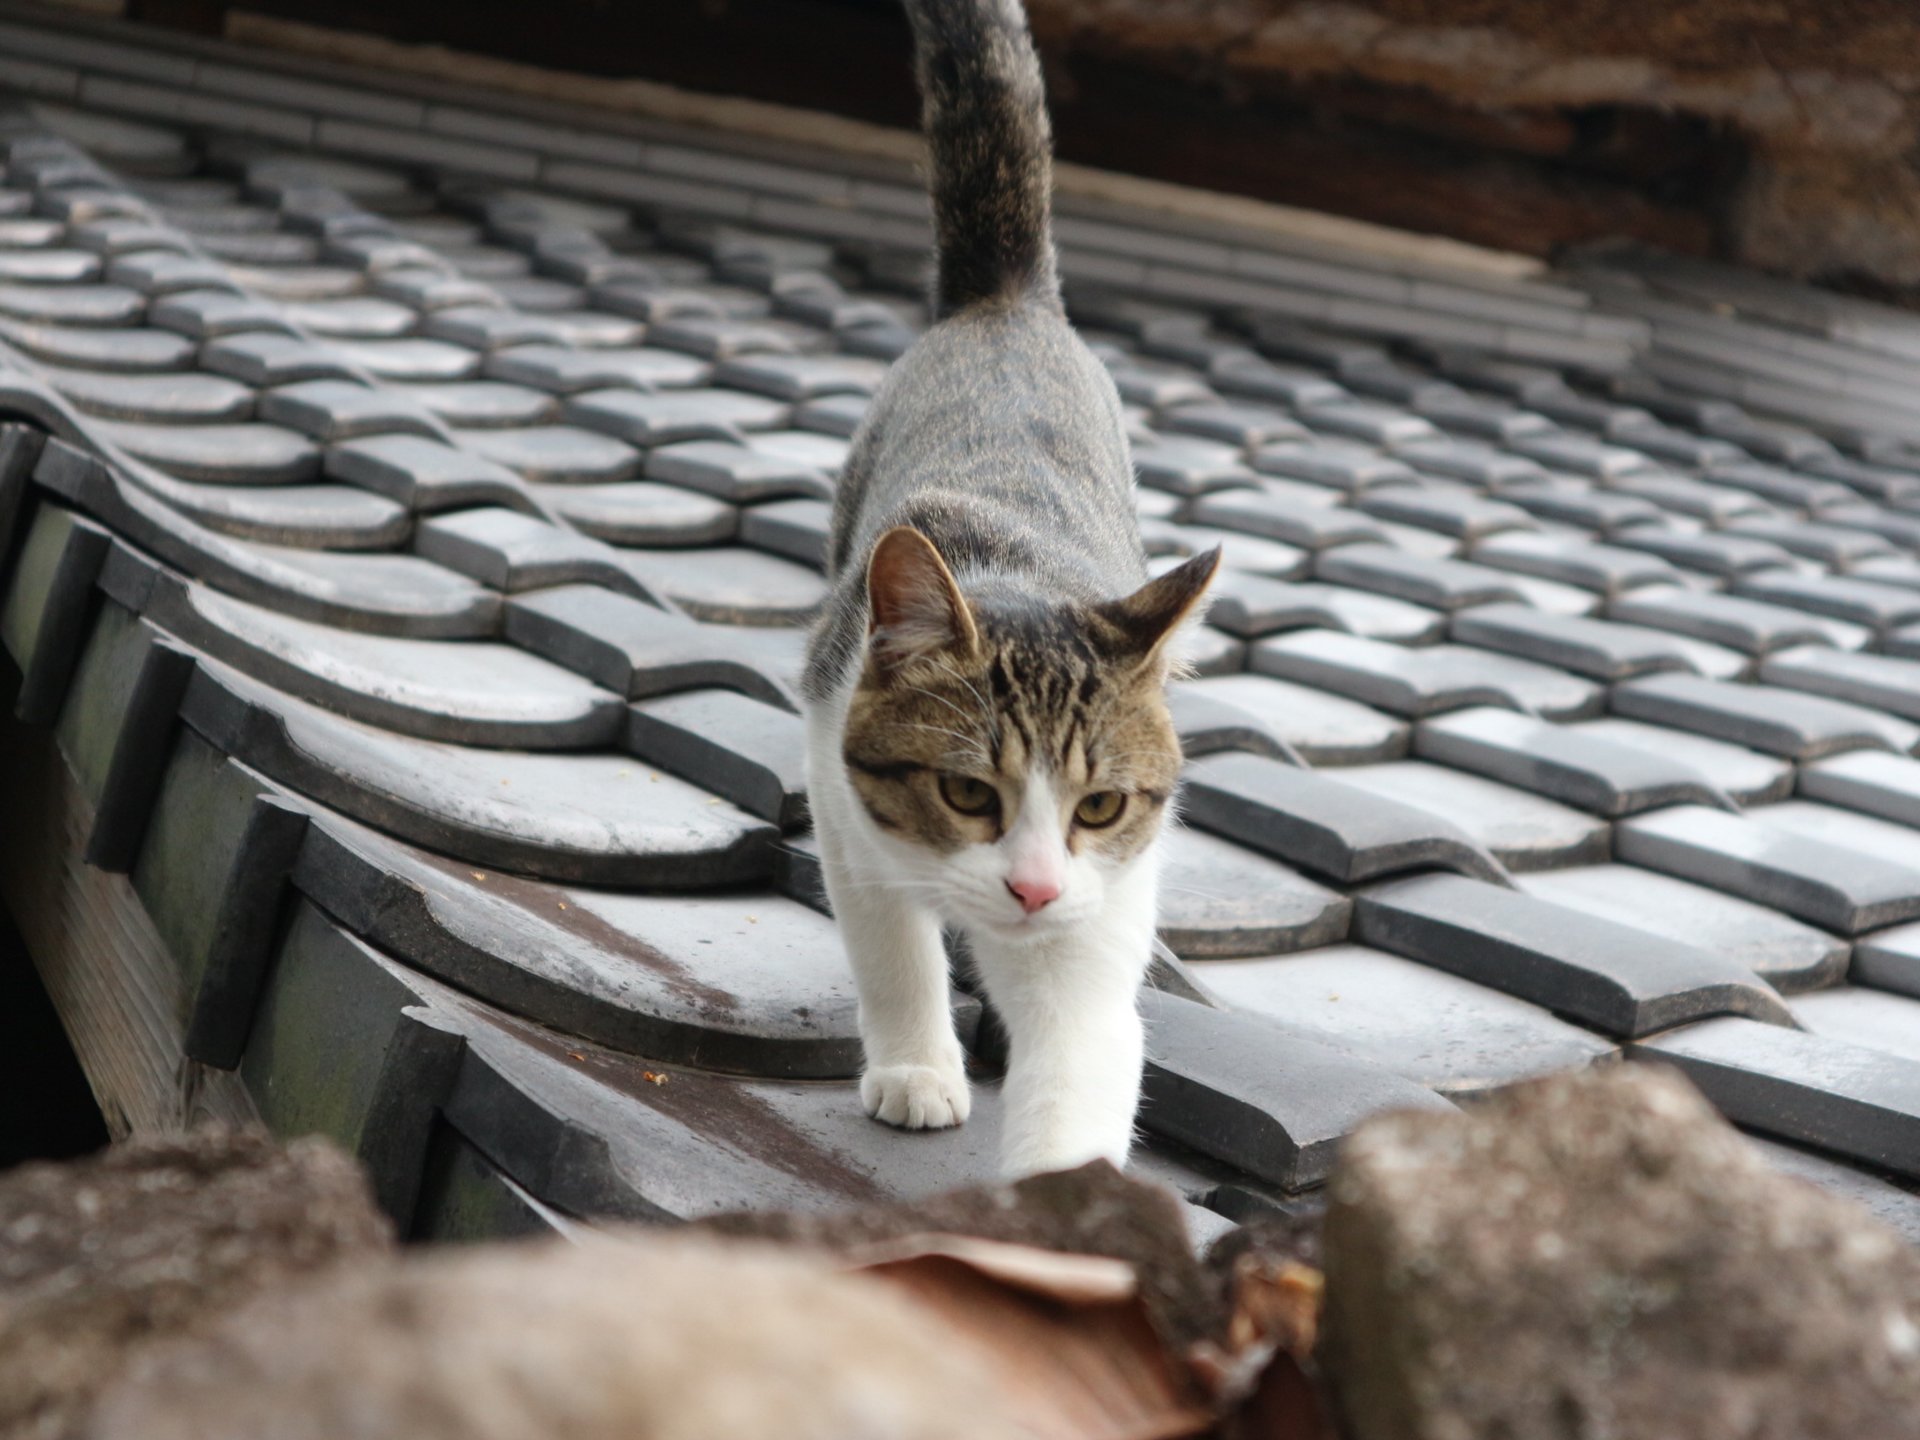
(1150, 621)
(914, 606)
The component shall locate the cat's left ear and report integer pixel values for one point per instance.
(1151, 618)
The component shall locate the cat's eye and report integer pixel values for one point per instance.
(1103, 807)
(968, 795)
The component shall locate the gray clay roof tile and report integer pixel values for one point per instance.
(1559, 693)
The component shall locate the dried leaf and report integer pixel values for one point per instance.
(1275, 1302)
(1066, 1335)
(1272, 1328)
(1070, 1279)
(1285, 1405)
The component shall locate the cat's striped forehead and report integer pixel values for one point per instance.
(1048, 693)
(1042, 694)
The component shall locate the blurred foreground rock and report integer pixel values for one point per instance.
(1066, 1308)
(1600, 1255)
(1092, 1210)
(224, 1286)
(1194, 1345)
(151, 1239)
(663, 1337)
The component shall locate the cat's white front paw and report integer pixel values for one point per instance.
(917, 1097)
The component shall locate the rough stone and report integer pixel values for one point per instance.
(152, 1238)
(1091, 1210)
(1599, 1254)
(593, 1338)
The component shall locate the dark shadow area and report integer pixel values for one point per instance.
(47, 1111)
(1533, 180)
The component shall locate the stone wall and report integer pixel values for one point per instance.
(1778, 135)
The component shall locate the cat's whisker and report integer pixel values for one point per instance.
(971, 741)
(939, 700)
(986, 710)
(895, 884)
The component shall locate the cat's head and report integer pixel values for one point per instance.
(1017, 754)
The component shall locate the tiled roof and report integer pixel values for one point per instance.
(409, 545)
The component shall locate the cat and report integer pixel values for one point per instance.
(988, 741)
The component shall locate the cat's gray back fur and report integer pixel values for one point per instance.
(998, 435)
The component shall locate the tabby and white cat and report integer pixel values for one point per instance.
(989, 746)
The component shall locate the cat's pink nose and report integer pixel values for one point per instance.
(1034, 894)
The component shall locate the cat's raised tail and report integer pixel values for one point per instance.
(985, 116)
